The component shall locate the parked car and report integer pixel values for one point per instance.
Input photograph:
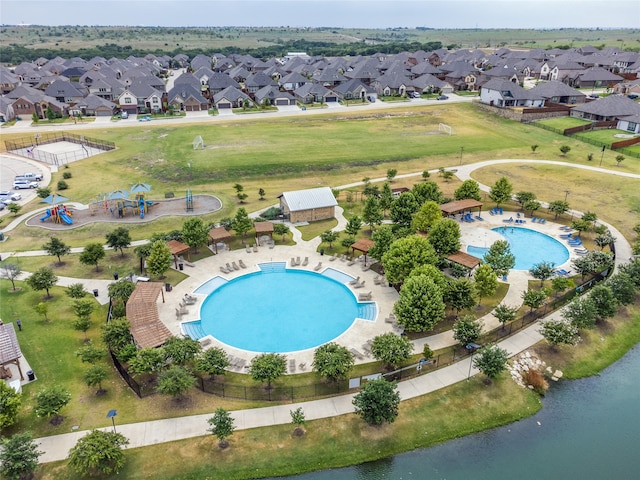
(594, 95)
(146, 118)
(34, 177)
(9, 197)
(20, 184)
(442, 97)
(633, 96)
(124, 115)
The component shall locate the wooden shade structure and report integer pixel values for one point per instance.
(263, 228)
(460, 206)
(464, 259)
(9, 347)
(363, 245)
(142, 313)
(177, 248)
(218, 234)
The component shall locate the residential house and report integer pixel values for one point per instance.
(66, 92)
(186, 97)
(314, 93)
(558, 92)
(503, 93)
(292, 81)
(354, 90)
(273, 96)
(94, 106)
(611, 108)
(630, 123)
(229, 98)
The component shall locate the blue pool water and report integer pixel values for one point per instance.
(279, 310)
(529, 247)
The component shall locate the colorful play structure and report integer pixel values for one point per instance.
(189, 198)
(118, 204)
(58, 214)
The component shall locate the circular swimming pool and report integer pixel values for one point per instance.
(528, 246)
(279, 311)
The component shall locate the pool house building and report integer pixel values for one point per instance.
(308, 205)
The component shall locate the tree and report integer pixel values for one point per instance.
(534, 147)
(83, 307)
(121, 290)
(372, 213)
(534, 298)
(542, 271)
(50, 114)
(486, 282)
(581, 313)
(298, 419)
(329, 237)
(147, 360)
(604, 240)
(11, 271)
(580, 225)
(558, 207)
(403, 208)
(619, 160)
(447, 175)
(501, 191)
(181, 350)
(261, 193)
(92, 254)
(560, 284)
(212, 361)
(590, 218)
(604, 301)
(242, 223)
(89, 353)
(592, 262)
(116, 334)
(564, 149)
(405, 254)
(420, 306)
(332, 361)
(98, 452)
(43, 192)
(444, 236)
(505, 313)
(14, 208)
(42, 279)
(500, 258)
(159, 259)
(468, 189)
(531, 206)
(19, 456)
(386, 197)
(391, 349)
(391, 174)
(10, 401)
(491, 360)
(425, 174)
(382, 240)
(558, 332)
(268, 367)
(119, 239)
(377, 402)
(95, 375)
(222, 426)
(50, 400)
(195, 232)
(434, 273)
(623, 288)
(427, 216)
(348, 241)
(467, 329)
(427, 191)
(354, 224)
(76, 290)
(523, 197)
(82, 324)
(240, 195)
(281, 229)
(176, 381)
(460, 294)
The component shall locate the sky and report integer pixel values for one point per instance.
(539, 14)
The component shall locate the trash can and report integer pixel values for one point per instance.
(167, 287)
(115, 276)
(95, 292)
(181, 266)
(30, 375)
(321, 251)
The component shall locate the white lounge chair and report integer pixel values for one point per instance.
(359, 285)
(235, 266)
(318, 267)
(354, 281)
(241, 263)
(305, 262)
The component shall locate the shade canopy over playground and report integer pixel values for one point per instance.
(177, 248)
(460, 206)
(140, 188)
(218, 234)
(118, 195)
(53, 199)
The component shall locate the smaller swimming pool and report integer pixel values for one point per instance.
(528, 246)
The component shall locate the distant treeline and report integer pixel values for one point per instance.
(14, 54)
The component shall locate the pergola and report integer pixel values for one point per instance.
(464, 259)
(218, 234)
(9, 347)
(460, 206)
(263, 228)
(177, 248)
(363, 245)
(142, 312)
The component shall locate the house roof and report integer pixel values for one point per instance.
(300, 200)
(510, 89)
(556, 89)
(611, 106)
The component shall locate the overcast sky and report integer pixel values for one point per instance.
(328, 13)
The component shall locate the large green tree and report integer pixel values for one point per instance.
(268, 367)
(212, 361)
(372, 213)
(623, 288)
(523, 197)
(181, 350)
(333, 361)
(147, 360)
(559, 332)
(242, 223)
(444, 236)
(403, 208)
(19, 456)
(604, 301)
(119, 239)
(377, 402)
(558, 207)
(405, 254)
(175, 382)
(542, 271)
(469, 189)
(95, 375)
(195, 233)
(467, 329)
(486, 282)
(391, 349)
(500, 258)
(92, 254)
(42, 279)
(501, 191)
(50, 400)
(354, 224)
(420, 306)
(505, 313)
(121, 290)
(534, 298)
(56, 248)
(427, 191)
(491, 360)
(329, 236)
(382, 240)
(427, 216)
(159, 259)
(460, 294)
(581, 313)
(10, 401)
(98, 453)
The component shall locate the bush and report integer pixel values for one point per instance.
(67, 175)
(62, 185)
(534, 378)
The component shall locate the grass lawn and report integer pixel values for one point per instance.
(316, 228)
(607, 136)
(563, 122)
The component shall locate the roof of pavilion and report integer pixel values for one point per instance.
(263, 228)
(218, 234)
(142, 312)
(363, 245)
(464, 259)
(177, 247)
(459, 206)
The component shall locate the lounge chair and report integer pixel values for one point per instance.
(533, 219)
(363, 297)
(248, 249)
(302, 365)
(305, 262)
(332, 258)
(356, 353)
(354, 281)
(376, 280)
(190, 300)
(292, 365)
(581, 250)
(542, 220)
(297, 261)
(343, 258)
(359, 285)
(366, 267)
(255, 247)
(271, 245)
(224, 270)
(351, 262)
(390, 319)
(318, 266)
(500, 211)
(235, 266)
(241, 263)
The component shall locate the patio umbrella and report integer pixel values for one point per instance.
(118, 195)
(141, 187)
(53, 199)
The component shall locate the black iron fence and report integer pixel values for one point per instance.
(27, 147)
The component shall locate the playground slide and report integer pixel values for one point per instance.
(142, 207)
(46, 215)
(66, 218)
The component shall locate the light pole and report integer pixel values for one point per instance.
(461, 150)
(566, 194)
(112, 415)
(602, 156)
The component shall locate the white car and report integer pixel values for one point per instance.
(20, 184)
(9, 197)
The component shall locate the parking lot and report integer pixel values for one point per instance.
(11, 167)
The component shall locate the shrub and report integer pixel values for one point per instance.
(62, 185)
(67, 175)
(534, 378)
